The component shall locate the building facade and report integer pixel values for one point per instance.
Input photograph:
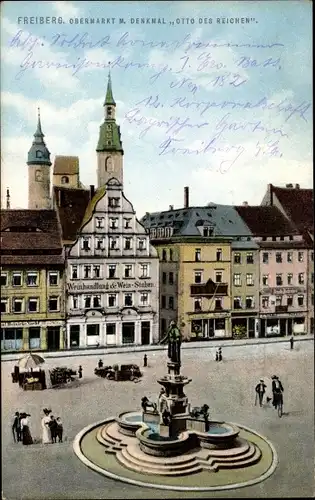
(66, 172)
(32, 281)
(112, 269)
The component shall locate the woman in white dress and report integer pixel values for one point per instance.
(46, 437)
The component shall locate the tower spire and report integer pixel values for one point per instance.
(39, 153)
(109, 99)
(39, 132)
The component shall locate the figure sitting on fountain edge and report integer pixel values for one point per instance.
(174, 338)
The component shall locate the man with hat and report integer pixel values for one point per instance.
(277, 389)
(260, 390)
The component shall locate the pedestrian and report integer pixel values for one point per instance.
(45, 426)
(100, 364)
(277, 388)
(59, 429)
(260, 391)
(217, 355)
(53, 429)
(145, 360)
(80, 371)
(292, 342)
(220, 354)
(25, 428)
(16, 427)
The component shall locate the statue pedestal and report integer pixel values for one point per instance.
(164, 430)
(151, 417)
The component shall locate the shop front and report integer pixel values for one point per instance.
(282, 326)
(209, 328)
(31, 335)
(247, 324)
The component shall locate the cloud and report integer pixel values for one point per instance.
(66, 9)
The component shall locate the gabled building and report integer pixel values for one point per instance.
(70, 204)
(32, 281)
(66, 172)
(283, 270)
(112, 269)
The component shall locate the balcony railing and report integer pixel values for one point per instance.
(209, 289)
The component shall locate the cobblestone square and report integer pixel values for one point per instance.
(53, 471)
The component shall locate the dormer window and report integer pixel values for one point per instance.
(39, 154)
(64, 179)
(207, 231)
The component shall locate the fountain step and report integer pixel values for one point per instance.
(112, 432)
(242, 457)
(104, 439)
(229, 452)
(237, 464)
(156, 469)
(137, 457)
(135, 451)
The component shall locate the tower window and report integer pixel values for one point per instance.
(109, 143)
(39, 154)
(65, 179)
(109, 111)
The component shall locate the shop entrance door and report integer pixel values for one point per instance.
(145, 332)
(53, 338)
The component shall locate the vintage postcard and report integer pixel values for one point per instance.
(157, 249)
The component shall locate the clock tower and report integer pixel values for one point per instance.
(109, 148)
(39, 163)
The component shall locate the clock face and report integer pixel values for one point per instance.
(38, 175)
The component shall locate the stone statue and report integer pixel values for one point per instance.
(166, 417)
(174, 338)
(146, 403)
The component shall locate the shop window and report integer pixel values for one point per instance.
(111, 329)
(34, 337)
(92, 330)
(11, 339)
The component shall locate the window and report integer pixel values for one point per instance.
(290, 278)
(249, 279)
(249, 302)
(53, 303)
(218, 303)
(171, 302)
(32, 279)
(218, 277)
(64, 179)
(86, 244)
(113, 202)
(112, 300)
(265, 302)
(87, 301)
(96, 301)
(87, 271)
(278, 257)
(312, 278)
(219, 254)
(279, 281)
(92, 330)
(198, 276)
(144, 299)
(289, 300)
(164, 278)
(99, 243)
(171, 254)
(112, 271)
(198, 255)
(113, 223)
(312, 256)
(128, 271)
(163, 299)
(127, 223)
(164, 254)
(237, 280)
(128, 242)
(274, 238)
(144, 270)
(171, 278)
(96, 271)
(265, 257)
(111, 329)
(53, 278)
(300, 300)
(33, 305)
(74, 272)
(250, 258)
(75, 301)
(281, 238)
(197, 305)
(237, 258)
(17, 305)
(207, 231)
(278, 300)
(128, 299)
(141, 243)
(265, 279)
(34, 337)
(289, 257)
(301, 278)
(113, 243)
(17, 279)
(100, 222)
(237, 303)
(300, 256)
(4, 305)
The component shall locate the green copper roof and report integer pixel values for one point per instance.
(109, 137)
(109, 99)
(92, 204)
(39, 153)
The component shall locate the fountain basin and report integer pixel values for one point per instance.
(152, 443)
(219, 434)
(129, 422)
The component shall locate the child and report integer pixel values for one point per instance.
(59, 429)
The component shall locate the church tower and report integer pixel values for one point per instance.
(109, 148)
(39, 163)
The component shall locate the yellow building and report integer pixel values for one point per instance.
(32, 281)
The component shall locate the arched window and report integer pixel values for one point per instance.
(65, 179)
(164, 255)
(171, 254)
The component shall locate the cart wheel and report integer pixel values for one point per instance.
(132, 378)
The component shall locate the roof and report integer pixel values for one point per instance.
(33, 260)
(92, 204)
(39, 153)
(67, 165)
(224, 220)
(32, 233)
(266, 220)
(298, 204)
(71, 205)
(109, 99)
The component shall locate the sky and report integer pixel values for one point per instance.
(216, 96)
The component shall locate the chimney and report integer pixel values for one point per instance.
(297, 186)
(92, 191)
(186, 197)
(245, 203)
(8, 199)
(270, 194)
(290, 186)
(171, 207)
